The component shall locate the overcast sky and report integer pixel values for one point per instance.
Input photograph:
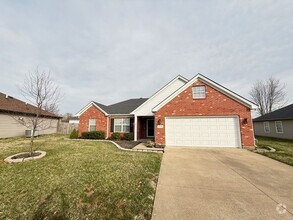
(109, 51)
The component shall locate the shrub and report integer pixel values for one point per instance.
(93, 135)
(127, 136)
(115, 136)
(73, 134)
(150, 144)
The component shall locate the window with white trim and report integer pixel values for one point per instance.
(199, 92)
(122, 125)
(266, 127)
(279, 126)
(92, 124)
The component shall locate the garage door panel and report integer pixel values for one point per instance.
(203, 131)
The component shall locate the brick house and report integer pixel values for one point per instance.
(195, 112)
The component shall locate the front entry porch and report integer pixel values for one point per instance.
(145, 127)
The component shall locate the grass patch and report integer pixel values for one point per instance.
(284, 149)
(76, 180)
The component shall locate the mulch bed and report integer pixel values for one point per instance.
(26, 155)
(128, 144)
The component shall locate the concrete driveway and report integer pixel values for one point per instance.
(222, 183)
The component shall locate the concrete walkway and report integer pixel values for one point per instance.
(222, 183)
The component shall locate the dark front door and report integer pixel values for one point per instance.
(150, 128)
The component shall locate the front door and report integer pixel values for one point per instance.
(150, 127)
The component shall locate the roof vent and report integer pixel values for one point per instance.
(7, 96)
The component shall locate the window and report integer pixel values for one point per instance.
(266, 126)
(92, 124)
(122, 125)
(279, 126)
(199, 92)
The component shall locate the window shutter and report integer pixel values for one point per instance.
(112, 125)
(131, 124)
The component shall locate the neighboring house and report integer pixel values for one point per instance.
(13, 113)
(74, 120)
(196, 112)
(278, 124)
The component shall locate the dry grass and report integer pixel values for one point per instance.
(284, 149)
(76, 180)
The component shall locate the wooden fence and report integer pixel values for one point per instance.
(66, 128)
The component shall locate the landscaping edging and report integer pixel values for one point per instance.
(19, 160)
(118, 146)
(265, 149)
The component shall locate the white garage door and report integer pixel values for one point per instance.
(203, 131)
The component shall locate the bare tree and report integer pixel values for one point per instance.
(41, 91)
(269, 95)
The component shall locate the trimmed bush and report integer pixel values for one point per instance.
(93, 135)
(127, 136)
(73, 134)
(115, 136)
(151, 144)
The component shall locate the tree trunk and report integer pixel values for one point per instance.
(32, 142)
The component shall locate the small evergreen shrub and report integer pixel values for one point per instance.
(115, 136)
(93, 135)
(127, 136)
(73, 134)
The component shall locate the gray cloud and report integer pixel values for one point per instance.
(108, 51)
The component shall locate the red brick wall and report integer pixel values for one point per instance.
(215, 104)
(92, 113)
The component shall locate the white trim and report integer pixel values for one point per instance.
(281, 127)
(135, 128)
(95, 124)
(264, 127)
(147, 134)
(107, 130)
(122, 124)
(156, 93)
(194, 92)
(121, 115)
(211, 83)
(87, 107)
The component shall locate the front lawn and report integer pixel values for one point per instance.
(77, 180)
(284, 149)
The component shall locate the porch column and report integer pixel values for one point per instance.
(135, 128)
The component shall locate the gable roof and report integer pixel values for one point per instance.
(285, 113)
(124, 107)
(156, 93)
(120, 108)
(214, 85)
(9, 104)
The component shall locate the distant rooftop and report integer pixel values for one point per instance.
(8, 104)
(285, 113)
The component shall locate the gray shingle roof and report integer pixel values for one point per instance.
(285, 113)
(125, 107)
